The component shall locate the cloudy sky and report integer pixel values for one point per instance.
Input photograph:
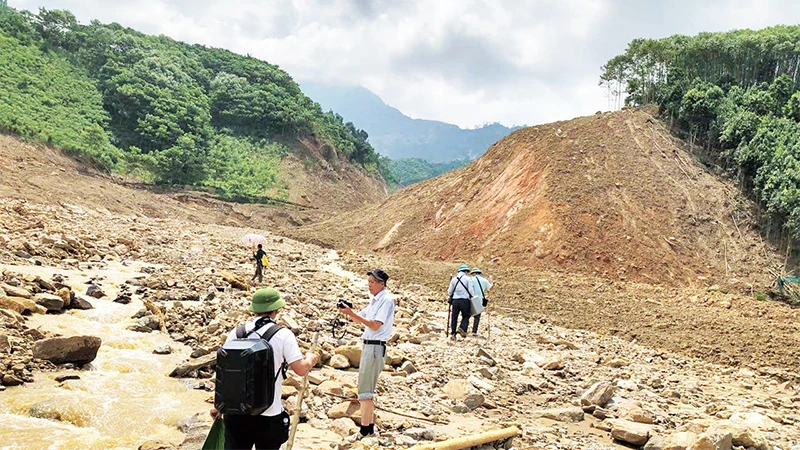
(466, 62)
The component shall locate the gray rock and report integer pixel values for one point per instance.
(163, 350)
(11, 380)
(486, 357)
(190, 366)
(599, 394)
(53, 303)
(80, 303)
(61, 378)
(75, 349)
(13, 291)
(473, 401)
(45, 410)
(195, 436)
(408, 367)
(421, 434)
(571, 415)
(460, 409)
(654, 443)
(94, 291)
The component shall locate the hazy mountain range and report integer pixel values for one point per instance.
(396, 135)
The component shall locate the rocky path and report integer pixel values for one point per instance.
(565, 388)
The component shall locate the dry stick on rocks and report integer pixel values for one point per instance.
(409, 416)
(300, 396)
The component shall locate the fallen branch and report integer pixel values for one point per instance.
(470, 441)
(354, 400)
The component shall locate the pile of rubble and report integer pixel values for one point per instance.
(564, 389)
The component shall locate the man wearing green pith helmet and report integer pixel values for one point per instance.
(271, 429)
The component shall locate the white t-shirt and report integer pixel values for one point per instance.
(284, 348)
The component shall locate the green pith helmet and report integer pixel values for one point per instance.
(475, 270)
(266, 300)
(463, 268)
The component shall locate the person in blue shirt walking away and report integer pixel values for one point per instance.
(480, 286)
(378, 319)
(460, 292)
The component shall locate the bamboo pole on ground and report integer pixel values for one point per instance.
(470, 441)
(296, 416)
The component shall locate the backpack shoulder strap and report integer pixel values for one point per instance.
(271, 332)
(267, 336)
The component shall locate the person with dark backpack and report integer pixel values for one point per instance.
(460, 292)
(250, 369)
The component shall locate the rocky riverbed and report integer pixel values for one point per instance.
(189, 284)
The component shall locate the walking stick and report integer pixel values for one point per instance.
(300, 396)
(447, 320)
(488, 322)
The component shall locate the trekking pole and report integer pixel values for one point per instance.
(300, 396)
(447, 320)
(488, 322)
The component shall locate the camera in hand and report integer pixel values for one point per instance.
(342, 303)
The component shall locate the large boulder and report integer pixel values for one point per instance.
(713, 439)
(13, 291)
(680, 440)
(630, 432)
(74, 349)
(350, 410)
(352, 352)
(52, 302)
(599, 394)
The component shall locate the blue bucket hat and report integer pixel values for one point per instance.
(463, 268)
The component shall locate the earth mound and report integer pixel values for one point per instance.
(613, 195)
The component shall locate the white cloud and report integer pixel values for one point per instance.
(461, 61)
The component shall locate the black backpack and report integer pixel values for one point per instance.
(245, 377)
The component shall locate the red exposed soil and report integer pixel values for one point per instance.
(611, 195)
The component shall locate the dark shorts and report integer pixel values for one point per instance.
(265, 432)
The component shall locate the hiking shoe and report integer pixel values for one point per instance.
(475, 335)
(462, 333)
(452, 337)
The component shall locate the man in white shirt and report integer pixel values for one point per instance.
(378, 319)
(460, 292)
(271, 429)
(480, 287)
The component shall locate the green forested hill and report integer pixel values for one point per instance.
(734, 93)
(407, 171)
(168, 111)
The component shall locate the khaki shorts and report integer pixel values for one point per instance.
(372, 360)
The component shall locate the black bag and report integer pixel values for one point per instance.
(245, 372)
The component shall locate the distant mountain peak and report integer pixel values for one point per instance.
(396, 135)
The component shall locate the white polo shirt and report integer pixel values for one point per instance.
(285, 348)
(381, 308)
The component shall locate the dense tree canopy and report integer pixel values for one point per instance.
(736, 93)
(185, 114)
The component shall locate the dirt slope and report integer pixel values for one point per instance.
(612, 195)
(43, 175)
